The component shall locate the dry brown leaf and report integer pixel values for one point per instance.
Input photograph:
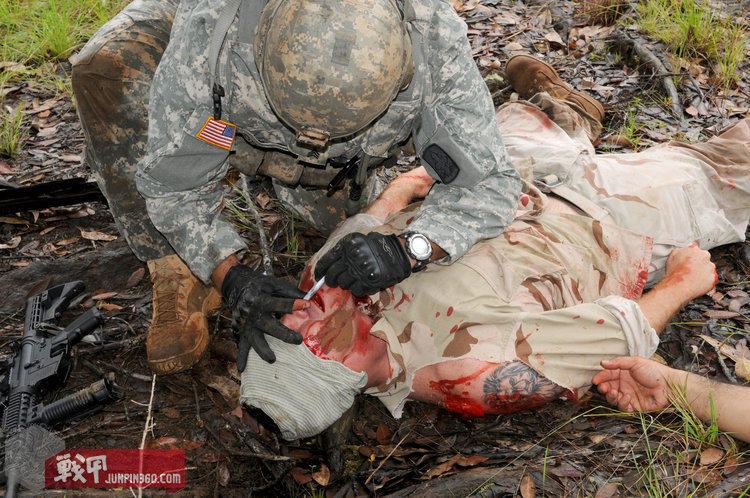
(65, 242)
(730, 465)
(228, 389)
(742, 363)
(513, 46)
(302, 476)
(383, 434)
(322, 476)
(566, 470)
(94, 235)
(608, 490)
(103, 295)
(12, 243)
(263, 200)
(70, 158)
(527, 487)
(108, 306)
(597, 438)
(13, 220)
(471, 461)
(209, 457)
(47, 132)
(12, 66)
(444, 467)
(172, 443)
(170, 412)
(222, 474)
(711, 456)
(38, 287)
(48, 142)
(553, 38)
(46, 106)
(5, 168)
(720, 314)
(617, 139)
(739, 354)
(47, 230)
(135, 278)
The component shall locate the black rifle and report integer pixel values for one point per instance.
(40, 365)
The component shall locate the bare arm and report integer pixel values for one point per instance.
(414, 184)
(689, 274)
(473, 387)
(633, 383)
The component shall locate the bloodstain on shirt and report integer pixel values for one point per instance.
(450, 311)
(600, 321)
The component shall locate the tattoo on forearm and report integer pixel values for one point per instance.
(515, 386)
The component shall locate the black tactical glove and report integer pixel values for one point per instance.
(254, 299)
(364, 263)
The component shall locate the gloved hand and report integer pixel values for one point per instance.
(364, 263)
(254, 299)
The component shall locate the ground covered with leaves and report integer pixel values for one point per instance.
(563, 449)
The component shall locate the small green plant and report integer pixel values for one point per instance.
(631, 128)
(693, 28)
(11, 140)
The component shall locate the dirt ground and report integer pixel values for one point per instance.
(563, 449)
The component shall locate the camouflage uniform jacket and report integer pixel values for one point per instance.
(446, 103)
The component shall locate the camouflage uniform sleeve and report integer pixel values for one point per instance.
(180, 173)
(459, 118)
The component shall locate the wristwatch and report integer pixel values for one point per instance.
(419, 248)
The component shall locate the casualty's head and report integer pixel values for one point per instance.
(311, 385)
(330, 67)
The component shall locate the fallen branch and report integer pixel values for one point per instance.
(126, 343)
(265, 251)
(232, 451)
(146, 427)
(625, 42)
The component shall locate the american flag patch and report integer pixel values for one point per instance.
(218, 133)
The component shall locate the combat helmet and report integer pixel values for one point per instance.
(330, 67)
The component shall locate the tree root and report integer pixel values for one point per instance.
(623, 42)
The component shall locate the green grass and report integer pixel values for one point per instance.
(631, 128)
(35, 32)
(11, 131)
(37, 37)
(693, 28)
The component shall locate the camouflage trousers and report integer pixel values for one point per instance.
(111, 81)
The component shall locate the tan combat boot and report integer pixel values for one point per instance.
(528, 76)
(178, 335)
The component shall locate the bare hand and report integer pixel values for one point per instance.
(691, 269)
(632, 383)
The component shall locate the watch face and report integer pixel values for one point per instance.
(420, 246)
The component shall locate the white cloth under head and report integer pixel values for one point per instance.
(302, 393)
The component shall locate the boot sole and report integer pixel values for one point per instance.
(181, 362)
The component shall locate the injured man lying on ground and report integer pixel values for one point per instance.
(524, 318)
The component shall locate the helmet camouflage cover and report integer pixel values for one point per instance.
(330, 67)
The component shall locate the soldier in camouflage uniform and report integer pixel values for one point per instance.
(525, 317)
(314, 88)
